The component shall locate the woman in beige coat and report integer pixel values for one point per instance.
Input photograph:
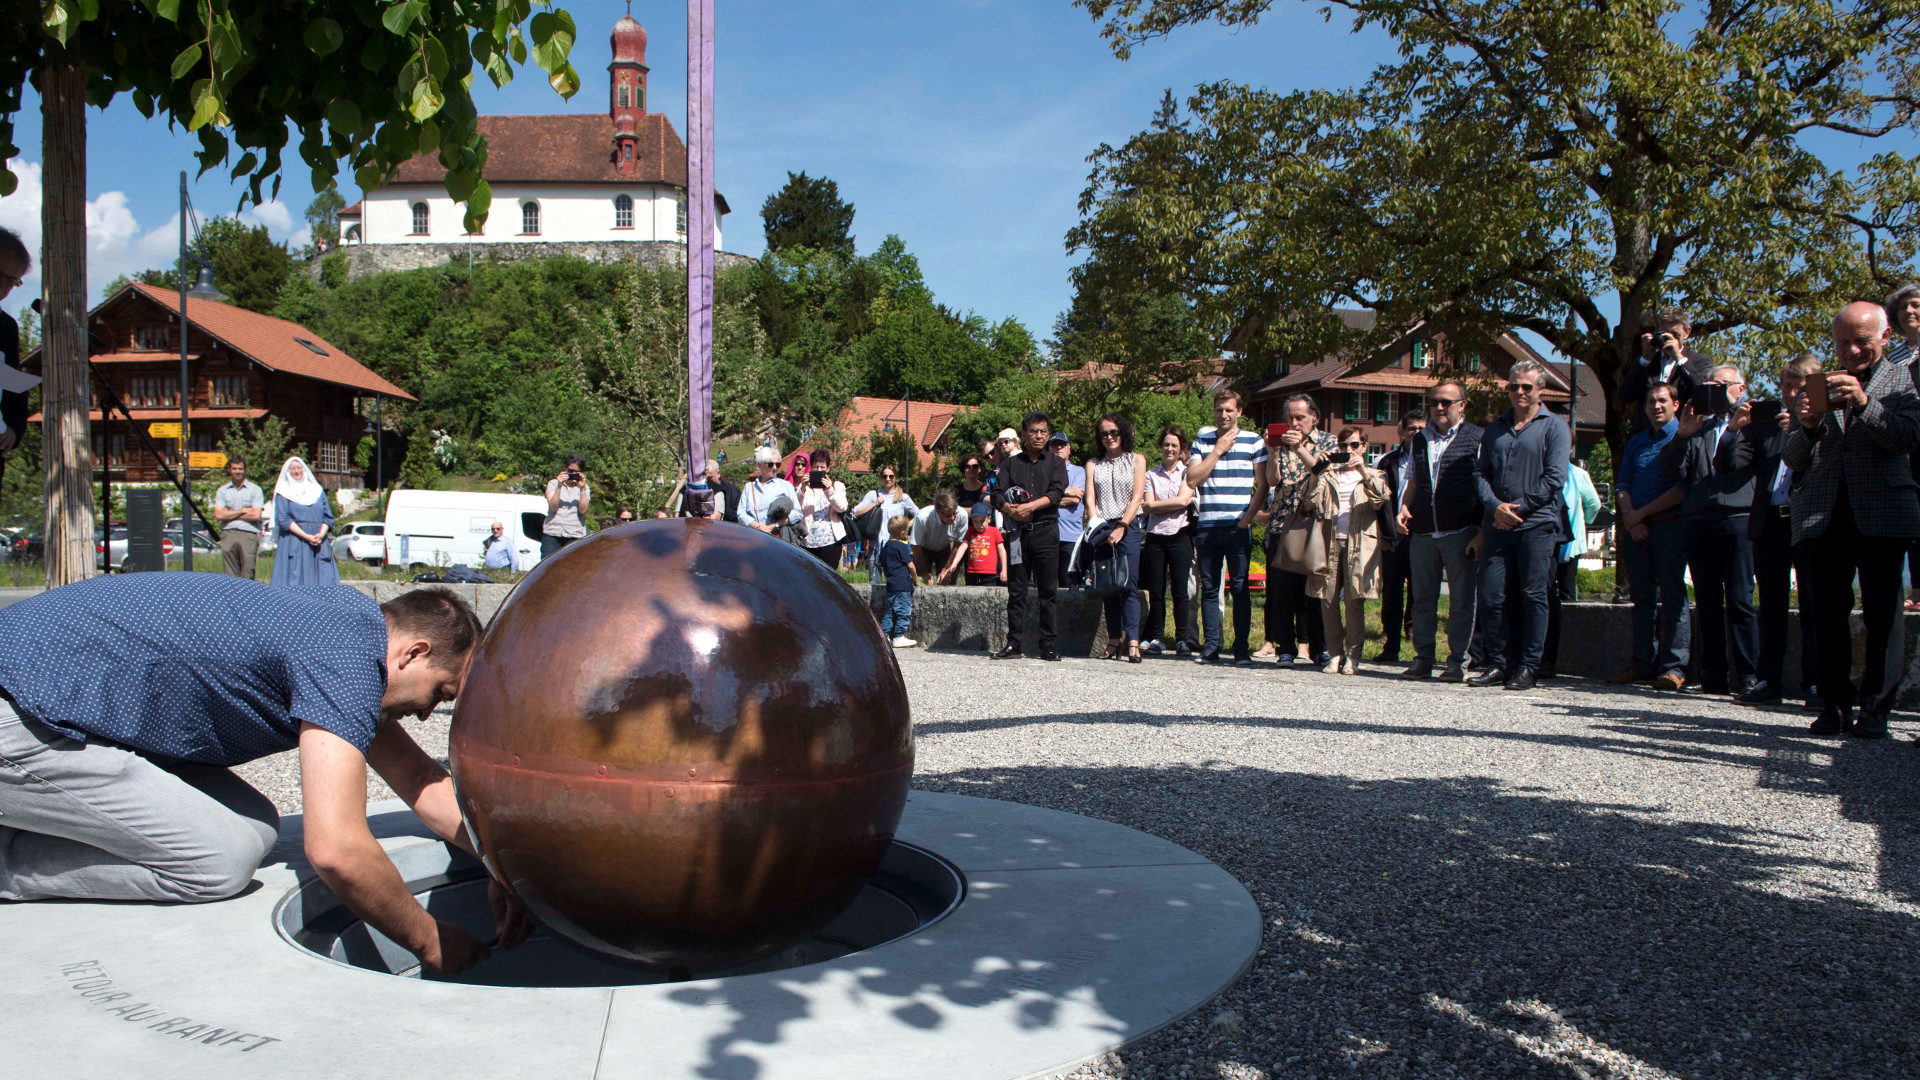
(1347, 498)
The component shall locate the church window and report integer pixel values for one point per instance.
(419, 219)
(530, 218)
(623, 212)
(680, 215)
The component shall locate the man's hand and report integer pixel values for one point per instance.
(1689, 423)
(510, 921)
(1507, 516)
(1741, 416)
(1639, 532)
(1801, 406)
(250, 513)
(1845, 392)
(1291, 439)
(1631, 519)
(1473, 547)
(1785, 416)
(1405, 521)
(7, 440)
(452, 950)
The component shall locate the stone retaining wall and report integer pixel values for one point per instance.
(364, 259)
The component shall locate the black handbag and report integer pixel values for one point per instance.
(1112, 571)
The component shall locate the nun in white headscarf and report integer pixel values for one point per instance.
(301, 521)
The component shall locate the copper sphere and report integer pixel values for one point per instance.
(683, 742)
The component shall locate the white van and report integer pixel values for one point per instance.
(446, 528)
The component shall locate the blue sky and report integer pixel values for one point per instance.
(961, 125)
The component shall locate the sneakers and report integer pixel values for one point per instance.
(1210, 654)
(1153, 647)
(1181, 648)
(1285, 659)
(904, 642)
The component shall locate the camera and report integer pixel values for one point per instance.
(573, 475)
(1765, 412)
(1711, 398)
(817, 478)
(1340, 457)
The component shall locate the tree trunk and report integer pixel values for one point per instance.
(68, 446)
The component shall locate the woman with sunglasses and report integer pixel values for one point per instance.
(1348, 499)
(976, 481)
(891, 499)
(1116, 486)
(1166, 548)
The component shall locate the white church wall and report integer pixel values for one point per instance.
(568, 213)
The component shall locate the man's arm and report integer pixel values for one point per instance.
(1200, 466)
(1673, 497)
(1549, 489)
(1482, 477)
(418, 779)
(333, 792)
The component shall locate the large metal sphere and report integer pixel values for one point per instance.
(683, 742)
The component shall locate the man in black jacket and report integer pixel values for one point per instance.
(1441, 513)
(1395, 546)
(1665, 357)
(1776, 560)
(15, 262)
(1029, 489)
(1712, 456)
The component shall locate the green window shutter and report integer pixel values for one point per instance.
(1473, 361)
(1419, 355)
(1350, 404)
(1380, 408)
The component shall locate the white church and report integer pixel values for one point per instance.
(587, 184)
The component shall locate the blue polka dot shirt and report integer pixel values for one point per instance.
(196, 667)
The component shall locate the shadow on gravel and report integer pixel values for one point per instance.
(1459, 927)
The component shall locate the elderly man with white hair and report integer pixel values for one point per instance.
(1858, 508)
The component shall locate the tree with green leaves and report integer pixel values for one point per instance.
(1553, 166)
(252, 268)
(323, 216)
(263, 445)
(369, 83)
(808, 213)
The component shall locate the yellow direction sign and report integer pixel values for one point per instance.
(206, 459)
(164, 431)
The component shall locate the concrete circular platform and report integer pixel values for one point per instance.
(1072, 937)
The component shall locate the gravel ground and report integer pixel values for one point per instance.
(1579, 882)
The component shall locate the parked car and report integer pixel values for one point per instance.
(446, 528)
(169, 548)
(365, 541)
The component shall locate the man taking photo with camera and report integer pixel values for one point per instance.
(1859, 508)
(1712, 456)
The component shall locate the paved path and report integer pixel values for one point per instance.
(1572, 882)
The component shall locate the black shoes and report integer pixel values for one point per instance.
(1493, 676)
(1181, 648)
(1210, 654)
(1047, 653)
(1388, 655)
(1453, 673)
(1706, 688)
(1241, 658)
(1522, 681)
(1008, 653)
(1834, 720)
(1419, 669)
(1761, 693)
(1870, 726)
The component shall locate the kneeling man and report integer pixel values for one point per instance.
(124, 700)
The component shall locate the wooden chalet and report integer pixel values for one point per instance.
(241, 365)
(1373, 391)
(927, 423)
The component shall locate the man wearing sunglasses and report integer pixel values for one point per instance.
(1523, 467)
(14, 265)
(1440, 512)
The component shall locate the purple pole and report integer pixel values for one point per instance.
(700, 211)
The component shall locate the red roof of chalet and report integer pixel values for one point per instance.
(926, 421)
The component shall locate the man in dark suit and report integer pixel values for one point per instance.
(1776, 559)
(1712, 456)
(1441, 515)
(1859, 506)
(15, 262)
(1395, 546)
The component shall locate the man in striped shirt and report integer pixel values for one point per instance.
(1225, 461)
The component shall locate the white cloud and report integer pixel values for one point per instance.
(116, 242)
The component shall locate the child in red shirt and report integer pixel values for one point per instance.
(986, 548)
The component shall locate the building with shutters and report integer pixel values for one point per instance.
(604, 186)
(1373, 391)
(240, 365)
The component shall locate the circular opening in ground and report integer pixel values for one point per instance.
(913, 889)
